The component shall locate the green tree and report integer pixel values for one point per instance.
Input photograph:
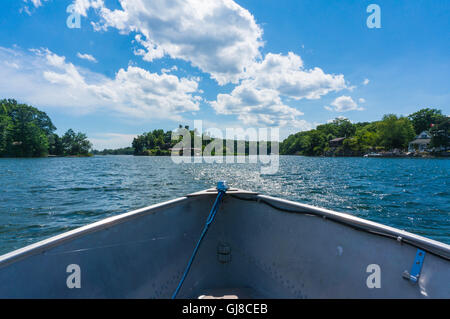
(24, 130)
(29, 138)
(395, 132)
(5, 133)
(441, 134)
(75, 144)
(423, 119)
(139, 145)
(339, 127)
(55, 145)
(158, 142)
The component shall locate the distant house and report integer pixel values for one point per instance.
(337, 142)
(421, 143)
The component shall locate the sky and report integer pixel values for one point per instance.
(131, 66)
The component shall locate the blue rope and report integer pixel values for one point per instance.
(210, 219)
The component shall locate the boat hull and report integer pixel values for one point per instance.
(259, 246)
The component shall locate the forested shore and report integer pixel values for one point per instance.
(26, 131)
(391, 133)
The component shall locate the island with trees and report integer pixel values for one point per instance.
(160, 143)
(26, 131)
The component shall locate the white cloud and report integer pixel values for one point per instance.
(256, 107)
(82, 6)
(366, 81)
(36, 3)
(258, 98)
(343, 104)
(87, 57)
(30, 5)
(43, 78)
(362, 100)
(222, 39)
(219, 37)
(173, 68)
(286, 74)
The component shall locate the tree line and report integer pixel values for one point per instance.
(26, 131)
(392, 132)
(160, 143)
(119, 151)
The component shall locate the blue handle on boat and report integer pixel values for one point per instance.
(222, 189)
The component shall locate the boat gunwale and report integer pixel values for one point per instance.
(46, 244)
(433, 246)
(437, 248)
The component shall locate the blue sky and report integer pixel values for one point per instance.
(137, 65)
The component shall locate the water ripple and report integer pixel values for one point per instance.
(40, 198)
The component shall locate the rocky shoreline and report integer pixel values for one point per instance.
(393, 155)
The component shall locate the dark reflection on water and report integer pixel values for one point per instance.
(40, 198)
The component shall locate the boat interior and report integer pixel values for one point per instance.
(256, 247)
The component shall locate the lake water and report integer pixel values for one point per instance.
(40, 198)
